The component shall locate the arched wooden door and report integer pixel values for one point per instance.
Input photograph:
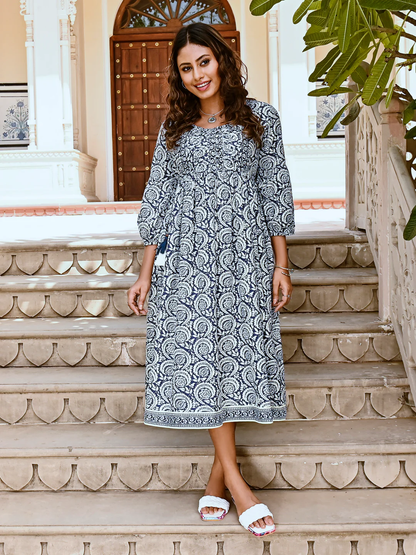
(140, 50)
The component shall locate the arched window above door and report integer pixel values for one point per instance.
(137, 15)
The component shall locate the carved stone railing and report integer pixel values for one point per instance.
(381, 166)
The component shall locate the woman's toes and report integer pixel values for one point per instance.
(269, 520)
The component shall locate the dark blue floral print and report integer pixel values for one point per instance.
(213, 346)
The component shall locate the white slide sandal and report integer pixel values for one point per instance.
(260, 510)
(212, 501)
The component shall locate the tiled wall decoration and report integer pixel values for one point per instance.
(14, 115)
(326, 108)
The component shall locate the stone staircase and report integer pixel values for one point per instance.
(81, 475)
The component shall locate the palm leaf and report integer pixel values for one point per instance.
(333, 17)
(345, 25)
(377, 80)
(409, 113)
(389, 94)
(388, 4)
(325, 91)
(411, 134)
(386, 19)
(409, 232)
(365, 20)
(359, 76)
(336, 118)
(353, 114)
(323, 66)
(318, 17)
(302, 10)
(260, 7)
(318, 39)
(348, 62)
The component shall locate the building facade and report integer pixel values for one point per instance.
(85, 83)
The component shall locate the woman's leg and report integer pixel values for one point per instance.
(223, 439)
(216, 485)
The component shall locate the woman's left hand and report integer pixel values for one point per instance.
(282, 283)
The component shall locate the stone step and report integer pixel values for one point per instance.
(123, 254)
(330, 391)
(283, 455)
(364, 522)
(335, 290)
(328, 337)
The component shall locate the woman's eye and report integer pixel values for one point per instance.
(205, 62)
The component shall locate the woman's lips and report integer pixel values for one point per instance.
(204, 86)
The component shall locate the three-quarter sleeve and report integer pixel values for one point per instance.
(273, 179)
(157, 194)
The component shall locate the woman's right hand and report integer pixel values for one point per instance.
(136, 296)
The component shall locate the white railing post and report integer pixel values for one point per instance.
(351, 168)
(391, 133)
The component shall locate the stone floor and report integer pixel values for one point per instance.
(38, 228)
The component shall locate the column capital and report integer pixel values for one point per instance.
(26, 7)
(67, 8)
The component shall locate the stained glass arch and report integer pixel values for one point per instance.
(169, 15)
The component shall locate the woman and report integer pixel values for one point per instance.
(219, 200)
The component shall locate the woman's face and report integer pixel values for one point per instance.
(198, 69)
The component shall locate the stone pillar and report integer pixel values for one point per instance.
(51, 78)
(51, 171)
(26, 9)
(392, 132)
(74, 88)
(351, 193)
(274, 69)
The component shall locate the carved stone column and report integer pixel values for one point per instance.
(74, 87)
(66, 14)
(26, 9)
(274, 66)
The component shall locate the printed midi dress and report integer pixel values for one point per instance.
(213, 345)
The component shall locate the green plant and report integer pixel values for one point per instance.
(360, 30)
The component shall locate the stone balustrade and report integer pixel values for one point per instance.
(381, 195)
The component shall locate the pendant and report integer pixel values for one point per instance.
(212, 119)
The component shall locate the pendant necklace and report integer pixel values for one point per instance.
(212, 118)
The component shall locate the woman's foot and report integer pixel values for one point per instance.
(223, 439)
(246, 499)
(215, 486)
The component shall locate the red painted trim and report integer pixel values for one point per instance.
(319, 204)
(99, 208)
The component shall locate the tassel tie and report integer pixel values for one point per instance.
(161, 252)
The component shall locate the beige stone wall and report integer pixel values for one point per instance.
(96, 100)
(321, 52)
(254, 48)
(12, 43)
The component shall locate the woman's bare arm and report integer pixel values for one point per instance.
(137, 293)
(280, 281)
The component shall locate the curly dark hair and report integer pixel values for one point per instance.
(184, 107)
